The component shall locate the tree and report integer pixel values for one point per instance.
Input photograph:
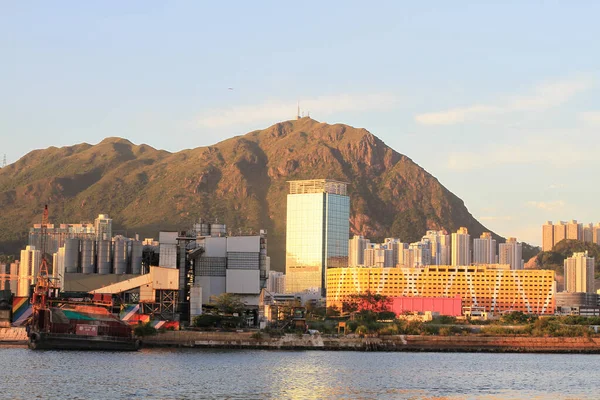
(228, 304)
(367, 301)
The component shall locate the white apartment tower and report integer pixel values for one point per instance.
(103, 227)
(356, 250)
(440, 247)
(420, 254)
(378, 255)
(484, 249)
(511, 253)
(461, 250)
(579, 273)
(397, 248)
(276, 282)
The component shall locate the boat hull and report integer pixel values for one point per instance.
(53, 341)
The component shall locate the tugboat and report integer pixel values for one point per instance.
(58, 323)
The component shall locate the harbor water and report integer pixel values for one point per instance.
(256, 374)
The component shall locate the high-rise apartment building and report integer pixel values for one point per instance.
(547, 236)
(103, 226)
(356, 250)
(560, 231)
(552, 234)
(574, 230)
(484, 249)
(579, 273)
(420, 254)
(588, 233)
(440, 247)
(596, 234)
(317, 232)
(378, 255)
(461, 249)
(276, 282)
(511, 253)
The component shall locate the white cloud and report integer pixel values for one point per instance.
(547, 149)
(590, 117)
(547, 205)
(544, 97)
(273, 111)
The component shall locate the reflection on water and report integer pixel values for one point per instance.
(255, 374)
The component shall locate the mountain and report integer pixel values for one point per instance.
(240, 181)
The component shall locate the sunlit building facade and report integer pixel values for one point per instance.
(496, 288)
(484, 249)
(356, 250)
(511, 253)
(461, 247)
(547, 236)
(579, 273)
(317, 232)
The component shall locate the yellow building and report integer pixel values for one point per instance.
(494, 287)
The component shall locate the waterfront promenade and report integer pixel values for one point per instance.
(435, 343)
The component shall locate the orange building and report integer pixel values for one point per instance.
(497, 288)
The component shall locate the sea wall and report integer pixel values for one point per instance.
(470, 343)
(13, 335)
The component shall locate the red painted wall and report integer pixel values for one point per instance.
(450, 306)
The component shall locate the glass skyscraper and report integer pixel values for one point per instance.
(317, 232)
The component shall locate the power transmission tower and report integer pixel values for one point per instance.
(4, 161)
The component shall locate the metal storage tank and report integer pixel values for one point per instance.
(104, 261)
(136, 256)
(120, 256)
(71, 255)
(87, 256)
(218, 230)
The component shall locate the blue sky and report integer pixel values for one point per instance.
(499, 100)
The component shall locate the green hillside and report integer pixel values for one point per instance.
(241, 181)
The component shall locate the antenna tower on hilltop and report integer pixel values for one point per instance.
(4, 161)
(298, 115)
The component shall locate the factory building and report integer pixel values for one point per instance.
(495, 288)
(231, 264)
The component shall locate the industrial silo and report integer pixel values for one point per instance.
(136, 256)
(120, 256)
(71, 255)
(87, 256)
(104, 260)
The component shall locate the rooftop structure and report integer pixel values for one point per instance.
(318, 186)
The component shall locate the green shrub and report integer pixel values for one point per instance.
(361, 330)
(389, 329)
(445, 331)
(206, 321)
(257, 335)
(145, 330)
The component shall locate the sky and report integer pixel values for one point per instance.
(498, 100)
